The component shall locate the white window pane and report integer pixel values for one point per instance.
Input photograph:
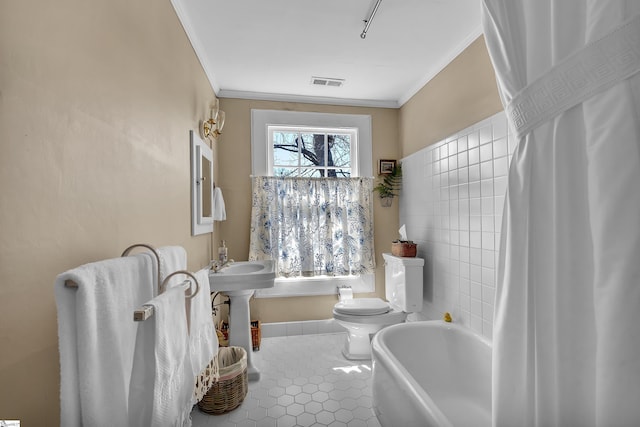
(282, 171)
(308, 172)
(340, 173)
(340, 150)
(285, 149)
(312, 152)
(309, 155)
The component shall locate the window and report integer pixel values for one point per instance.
(262, 120)
(312, 145)
(312, 152)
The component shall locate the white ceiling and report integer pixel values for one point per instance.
(270, 49)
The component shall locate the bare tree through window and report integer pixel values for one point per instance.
(307, 154)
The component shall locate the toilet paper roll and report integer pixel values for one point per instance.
(345, 294)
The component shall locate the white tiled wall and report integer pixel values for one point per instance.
(451, 202)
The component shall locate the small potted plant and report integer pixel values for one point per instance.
(390, 181)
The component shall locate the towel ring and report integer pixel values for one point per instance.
(146, 311)
(192, 294)
(144, 245)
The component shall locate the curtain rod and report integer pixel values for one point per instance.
(367, 22)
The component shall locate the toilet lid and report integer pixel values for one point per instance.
(362, 306)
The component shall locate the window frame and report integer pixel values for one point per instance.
(261, 119)
(352, 132)
(361, 163)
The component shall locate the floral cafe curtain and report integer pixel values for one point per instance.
(313, 226)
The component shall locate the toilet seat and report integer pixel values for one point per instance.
(362, 307)
(391, 317)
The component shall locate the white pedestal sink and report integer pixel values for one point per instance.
(239, 281)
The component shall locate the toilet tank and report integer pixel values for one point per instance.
(403, 282)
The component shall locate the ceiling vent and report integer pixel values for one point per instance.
(327, 81)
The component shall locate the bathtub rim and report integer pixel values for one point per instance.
(382, 354)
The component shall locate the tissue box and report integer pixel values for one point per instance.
(404, 249)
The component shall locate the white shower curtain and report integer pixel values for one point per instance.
(567, 317)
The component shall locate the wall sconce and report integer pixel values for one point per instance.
(212, 127)
(218, 130)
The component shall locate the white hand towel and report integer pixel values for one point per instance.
(96, 335)
(219, 211)
(172, 259)
(203, 341)
(162, 382)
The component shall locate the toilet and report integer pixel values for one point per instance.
(363, 317)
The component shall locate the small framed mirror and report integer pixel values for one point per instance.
(201, 186)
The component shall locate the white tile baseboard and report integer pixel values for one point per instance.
(306, 327)
(311, 327)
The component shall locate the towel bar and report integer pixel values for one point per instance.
(146, 311)
(143, 313)
(70, 284)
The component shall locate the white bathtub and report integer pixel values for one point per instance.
(431, 374)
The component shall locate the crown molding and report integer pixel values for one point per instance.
(262, 96)
(183, 17)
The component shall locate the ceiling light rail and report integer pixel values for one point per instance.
(367, 22)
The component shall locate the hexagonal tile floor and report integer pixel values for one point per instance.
(305, 381)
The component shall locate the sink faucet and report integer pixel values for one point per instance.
(216, 265)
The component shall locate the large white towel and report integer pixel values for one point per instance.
(172, 259)
(96, 334)
(203, 341)
(162, 382)
(219, 211)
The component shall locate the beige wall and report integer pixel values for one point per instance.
(463, 93)
(96, 101)
(235, 168)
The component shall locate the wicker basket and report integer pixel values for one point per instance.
(404, 249)
(230, 390)
(206, 379)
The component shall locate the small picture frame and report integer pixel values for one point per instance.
(386, 167)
